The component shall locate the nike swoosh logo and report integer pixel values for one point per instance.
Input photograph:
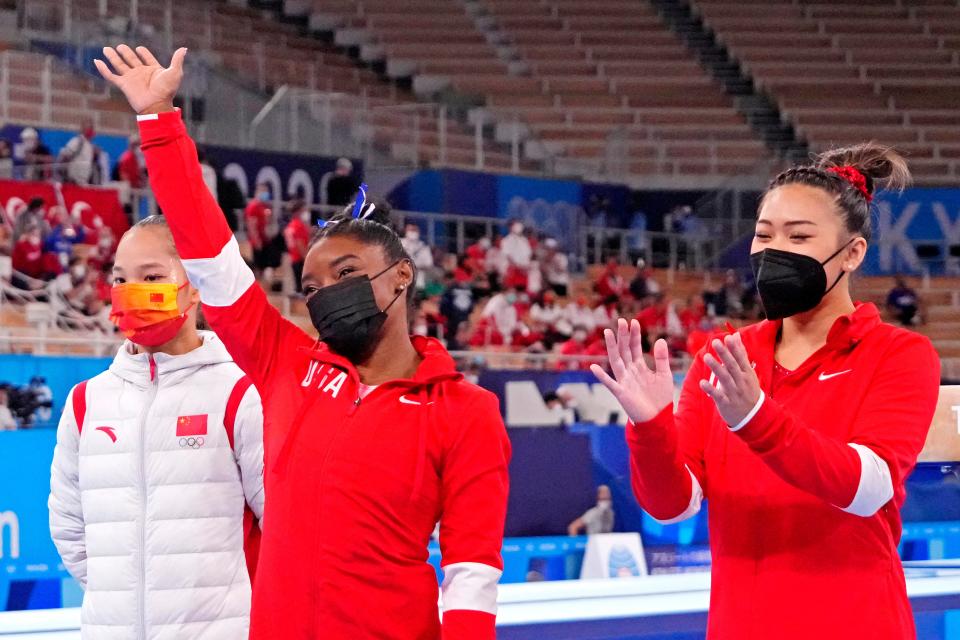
(110, 431)
(406, 400)
(827, 376)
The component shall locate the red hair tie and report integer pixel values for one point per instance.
(854, 177)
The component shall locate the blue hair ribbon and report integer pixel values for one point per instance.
(361, 201)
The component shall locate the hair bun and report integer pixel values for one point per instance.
(882, 166)
(373, 211)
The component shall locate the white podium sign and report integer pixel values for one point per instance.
(613, 555)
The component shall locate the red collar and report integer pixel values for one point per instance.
(437, 365)
(846, 331)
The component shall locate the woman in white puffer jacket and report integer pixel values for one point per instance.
(158, 469)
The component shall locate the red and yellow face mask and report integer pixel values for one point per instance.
(147, 312)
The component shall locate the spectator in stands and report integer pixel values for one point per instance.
(420, 252)
(27, 259)
(456, 305)
(129, 167)
(59, 243)
(598, 210)
(691, 312)
(610, 283)
(34, 216)
(82, 158)
(477, 254)
(605, 315)
(7, 421)
(297, 237)
(548, 313)
(495, 263)
(517, 254)
(903, 302)
(71, 295)
(643, 284)
(6, 160)
(259, 218)
(579, 312)
(103, 244)
(556, 268)
(576, 346)
(342, 185)
(209, 174)
(653, 319)
(37, 159)
(104, 282)
(560, 406)
(598, 519)
(501, 314)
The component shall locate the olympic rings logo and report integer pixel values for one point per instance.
(193, 443)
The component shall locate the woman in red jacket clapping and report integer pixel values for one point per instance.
(800, 430)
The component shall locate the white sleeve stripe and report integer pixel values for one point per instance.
(876, 485)
(750, 416)
(148, 116)
(471, 586)
(696, 497)
(223, 279)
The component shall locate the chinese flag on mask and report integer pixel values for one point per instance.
(192, 426)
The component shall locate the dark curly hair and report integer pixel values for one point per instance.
(373, 227)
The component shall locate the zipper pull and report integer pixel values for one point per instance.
(353, 409)
(153, 368)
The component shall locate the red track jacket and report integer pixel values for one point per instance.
(354, 487)
(804, 497)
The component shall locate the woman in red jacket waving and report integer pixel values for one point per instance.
(800, 430)
(370, 437)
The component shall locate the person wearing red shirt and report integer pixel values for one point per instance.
(27, 257)
(610, 283)
(257, 216)
(800, 430)
(692, 313)
(653, 319)
(297, 237)
(128, 166)
(370, 436)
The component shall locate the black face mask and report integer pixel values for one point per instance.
(347, 316)
(790, 283)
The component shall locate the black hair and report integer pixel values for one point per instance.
(882, 168)
(160, 222)
(156, 222)
(373, 227)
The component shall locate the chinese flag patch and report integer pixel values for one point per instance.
(156, 297)
(192, 426)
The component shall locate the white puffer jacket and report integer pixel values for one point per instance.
(147, 497)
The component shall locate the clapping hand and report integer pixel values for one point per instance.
(738, 388)
(643, 393)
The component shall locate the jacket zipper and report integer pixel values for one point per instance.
(142, 582)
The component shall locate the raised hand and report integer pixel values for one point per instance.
(148, 85)
(641, 392)
(738, 388)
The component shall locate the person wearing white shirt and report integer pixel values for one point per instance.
(502, 309)
(419, 251)
(579, 314)
(556, 268)
(516, 248)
